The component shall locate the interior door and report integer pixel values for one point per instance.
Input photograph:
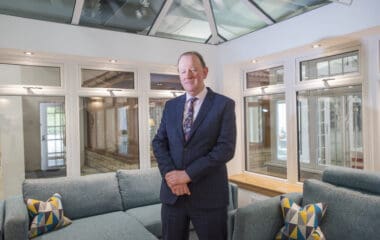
(52, 122)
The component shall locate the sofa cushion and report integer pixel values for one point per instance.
(364, 181)
(350, 215)
(149, 216)
(139, 187)
(81, 196)
(46, 216)
(301, 222)
(110, 226)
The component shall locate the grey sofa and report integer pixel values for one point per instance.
(2, 206)
(121, 205)
(353, 207)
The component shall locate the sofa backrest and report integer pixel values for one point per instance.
(350, 214)
(139, 187)
(364, 181)
(81, 196)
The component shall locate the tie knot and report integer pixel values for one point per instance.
(192, 100)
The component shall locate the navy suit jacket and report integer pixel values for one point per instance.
(204, 156)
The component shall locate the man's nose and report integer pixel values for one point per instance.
(189, 74)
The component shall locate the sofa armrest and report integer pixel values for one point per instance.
(2, 205)
(261, 220)
(16, 222)
(230, 223)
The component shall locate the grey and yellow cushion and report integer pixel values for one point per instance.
(46, 216)
(301, 223)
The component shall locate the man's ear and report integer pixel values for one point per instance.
(205, 71)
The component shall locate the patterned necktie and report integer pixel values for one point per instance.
(188, 122)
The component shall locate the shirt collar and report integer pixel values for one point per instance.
(201, 96)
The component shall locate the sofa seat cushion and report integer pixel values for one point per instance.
(351, 214)
(82, 196)
(149, 216)
(110, 226)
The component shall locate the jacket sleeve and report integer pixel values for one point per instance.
(160, 146)
(222, 151)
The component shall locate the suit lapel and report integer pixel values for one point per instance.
(205, 108)
(179, 115)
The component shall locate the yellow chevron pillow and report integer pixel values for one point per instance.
(46, 216)
(301, 223)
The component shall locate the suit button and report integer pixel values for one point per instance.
(185, 149)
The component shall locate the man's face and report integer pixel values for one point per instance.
(192, 74)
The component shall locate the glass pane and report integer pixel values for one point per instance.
(33, 143)
(109, 130)
(266, 134)
(107, 79)
(186, 20)
(265, 77)
(130, 16)
(281, 10)
(330, 66)
(331, 120)
(234, 18)
(56, 11)
(11, 74)
(165, 82)
(156, 107)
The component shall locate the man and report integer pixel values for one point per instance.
(195, 140)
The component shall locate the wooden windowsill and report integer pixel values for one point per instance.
(264, 185)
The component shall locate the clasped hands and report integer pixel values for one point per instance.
(177, 181)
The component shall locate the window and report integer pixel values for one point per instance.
(156, 108)
(325, 67)
(329, 129)
(266, 134)
(107, 79)
(13, 74)
(265, 122)
(110, 134)
(265, 77)
(34, 129)
(160, 81)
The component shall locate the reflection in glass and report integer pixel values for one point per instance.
(265, 77)
(330, 66)
(281, 10)
(109, 131)
(12, 74)
(156, 107)
(329, 129)
(130, 16)
(266, 135)
(186, 20)
(165, 82)
(234, 18)
(107, 79)
(56, 11)
(33, 129)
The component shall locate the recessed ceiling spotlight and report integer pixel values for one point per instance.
(254, 61)
(28, 53)
(113, 61)
(316, 45)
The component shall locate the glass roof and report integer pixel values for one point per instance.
(203, 21)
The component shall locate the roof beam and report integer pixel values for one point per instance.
(164, 11)
(215, 39)
(77, 11)
(258, 11)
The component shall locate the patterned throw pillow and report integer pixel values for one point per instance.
(301, 223)
(46, 216)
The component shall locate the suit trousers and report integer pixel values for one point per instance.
(209, 224)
